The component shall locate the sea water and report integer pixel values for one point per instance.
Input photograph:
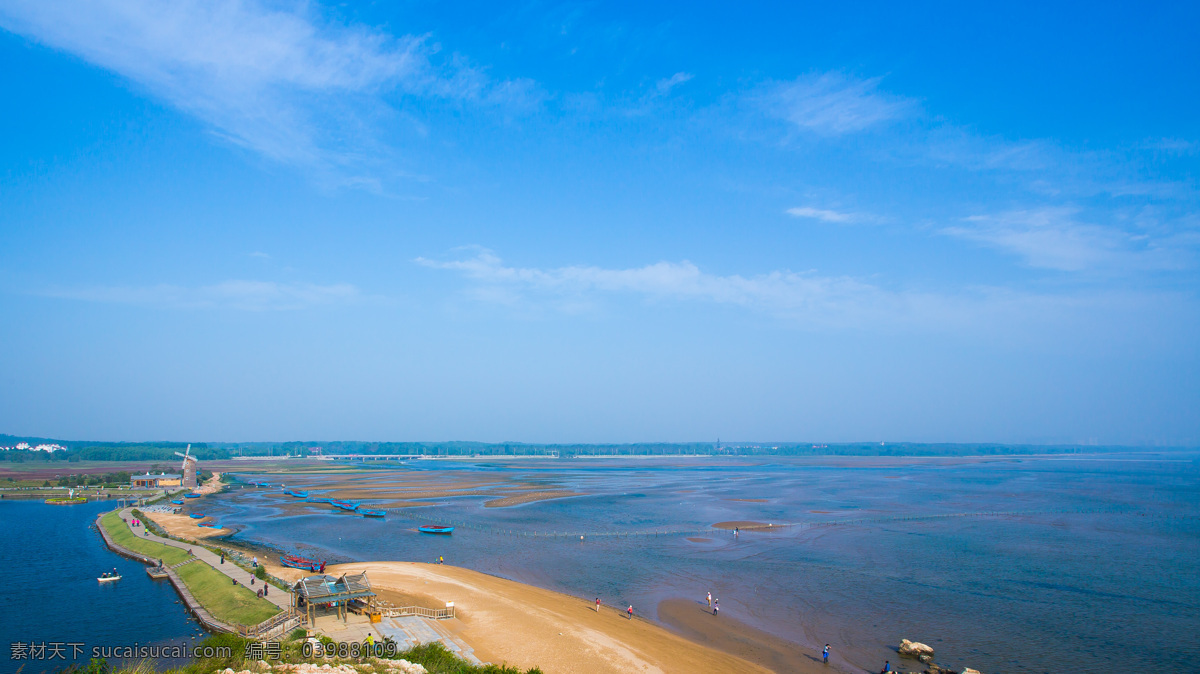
(51, 606)
(1013, 564)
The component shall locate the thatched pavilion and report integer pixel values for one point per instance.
(313, 591)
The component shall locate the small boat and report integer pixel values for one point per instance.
(108, 579)
(197, 516)
(318, 500)
(298, 562)
(344, 505)
(372, 513)
(435, 529)
(191, 496)
(210, 525)
(178, 502)
(296, 492)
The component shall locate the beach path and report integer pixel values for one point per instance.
(279, 598)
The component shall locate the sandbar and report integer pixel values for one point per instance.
(528, 497)
(744, 524)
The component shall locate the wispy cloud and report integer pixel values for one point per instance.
(275, 78)
(236, 294)
(808, 300)
(823, 214)
(833, 104)
(1056, 238)
(665, 85)
(261, 255)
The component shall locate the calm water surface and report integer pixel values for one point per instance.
(1098, 567)
(51, 558)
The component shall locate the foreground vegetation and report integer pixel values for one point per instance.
(434, 657)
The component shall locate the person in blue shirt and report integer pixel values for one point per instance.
(825, 654)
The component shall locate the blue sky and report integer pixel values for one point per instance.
(569, 222)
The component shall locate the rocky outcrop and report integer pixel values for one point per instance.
(913, 649)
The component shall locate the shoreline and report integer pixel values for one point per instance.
(506, 621)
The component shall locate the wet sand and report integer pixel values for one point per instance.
(529, 497)
(695, 621)
(744, 524)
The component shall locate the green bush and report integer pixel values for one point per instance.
(260, 572)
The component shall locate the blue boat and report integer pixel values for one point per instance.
(197, 516)
(372, 513)
(297, 493)
(345, 505)
(210, 525)
(318, 500)
(191, 496)
(435, 529)
(180, 502)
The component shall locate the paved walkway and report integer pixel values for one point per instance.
(278, 597)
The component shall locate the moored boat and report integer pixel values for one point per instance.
(298, 562)
(178, 502)
(296, 493)
(191, 496)
(435, 529)
(210, 525)
(372, 513)
(196, 516)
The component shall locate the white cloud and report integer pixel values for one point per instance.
(833, 104)
(277, 79)
(260, 254)
(822, 214)
(665, 85)
(234, 294)
(805, 297)
(1055, 238)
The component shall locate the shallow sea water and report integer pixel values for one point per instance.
(1070, 563)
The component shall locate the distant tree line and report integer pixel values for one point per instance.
(165, 451)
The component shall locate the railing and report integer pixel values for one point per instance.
(434, 613)
(276, 625)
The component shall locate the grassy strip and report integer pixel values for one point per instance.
(123, 536)
(235, 604)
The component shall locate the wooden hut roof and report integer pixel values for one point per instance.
(325, 589)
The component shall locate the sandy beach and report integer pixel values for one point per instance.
(506, 621)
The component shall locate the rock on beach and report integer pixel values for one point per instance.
(914, 649)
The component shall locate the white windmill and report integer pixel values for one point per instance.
(189, 468)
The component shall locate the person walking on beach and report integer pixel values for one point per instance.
(716, 609)
(630, 611)
(825, 654)
(254, 563)
(710, 600)
(597, 604)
